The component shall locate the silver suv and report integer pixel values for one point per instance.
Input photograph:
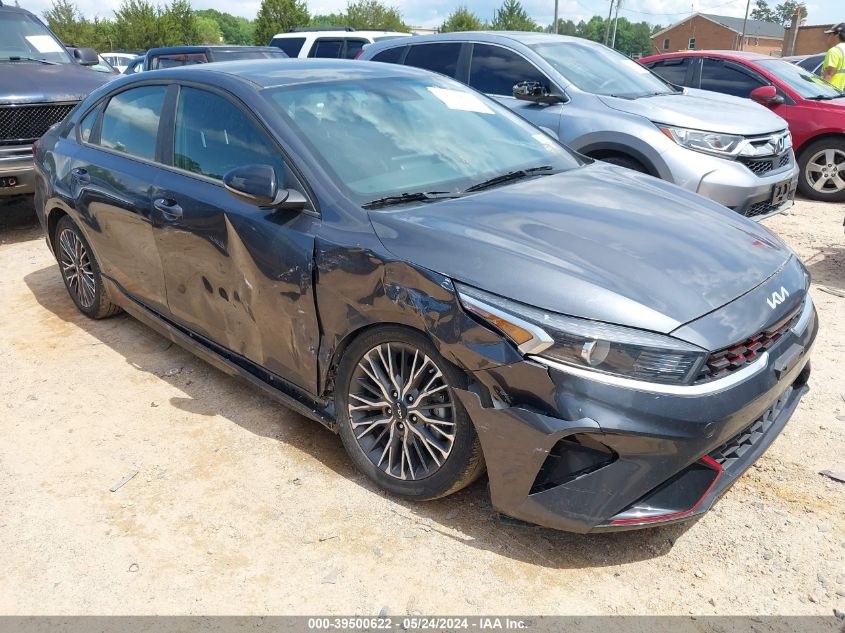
(608, 107)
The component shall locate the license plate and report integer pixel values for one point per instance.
(780, 192)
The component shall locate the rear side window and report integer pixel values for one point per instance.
(86, 126)
(673, 70)
(290, 45)
(718, 76)
(327, 49)
(172, 61)
(440, 58)
(130, 122)
(214, 136)
(353, 47)
(495, 70)
(390, 56)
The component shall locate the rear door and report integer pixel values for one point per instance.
(238, 275)
(676, 70)
(439, 57)
(112, 179)
(728, 77)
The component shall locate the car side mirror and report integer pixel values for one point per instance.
(86, 56)
(534, 91)
(257, 184)
(766, 95)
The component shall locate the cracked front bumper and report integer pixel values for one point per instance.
(661, 458)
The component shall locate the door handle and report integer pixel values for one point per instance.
(81, 175)
(169, 208)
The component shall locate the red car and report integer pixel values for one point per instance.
(814, 110)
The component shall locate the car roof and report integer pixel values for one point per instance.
(201, 49)
(267, 73)
(338, 33)
(748, 55)
(5, 8)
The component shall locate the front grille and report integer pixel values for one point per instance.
(728, 360)
(735, 448)
(761, 208)
(762, 166)
(21, 124)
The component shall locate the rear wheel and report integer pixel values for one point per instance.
(822, 175)
(400, 420)
(80, 271)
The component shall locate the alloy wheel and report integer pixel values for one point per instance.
(401, 411)
(77, 270)
(825, 171)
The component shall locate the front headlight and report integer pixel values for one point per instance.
(591, 345)
(702, 141)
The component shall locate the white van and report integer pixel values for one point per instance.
(332, 43)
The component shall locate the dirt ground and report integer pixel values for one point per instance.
(240, 506)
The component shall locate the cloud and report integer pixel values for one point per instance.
(431, 13)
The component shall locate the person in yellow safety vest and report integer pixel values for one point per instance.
(833, 68)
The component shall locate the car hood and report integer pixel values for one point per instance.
(29, 82)
(597, 242)
(703, 110)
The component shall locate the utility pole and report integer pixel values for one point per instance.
(556, 3)
(607, 26)
(615, 23)
(744, 24)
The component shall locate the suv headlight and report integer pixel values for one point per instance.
(701, 141)
(592, 345)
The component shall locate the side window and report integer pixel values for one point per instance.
(673, 70)
(495, 70)
(691, 43)
(130, 121)
(666, 44)
(353, 47)
(86, 125)
(214, 136)
(389, 56)
(725, 78)
(329, 49)
(441, 58)
(290, 45)
(172, 61)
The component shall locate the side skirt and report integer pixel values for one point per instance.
(226, 361)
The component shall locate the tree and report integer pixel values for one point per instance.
(564, 27)
(208, 30)
(234, 29)
(512, 16)
(372, 14)
(179, 24)
(461, 19)
(137, 25)
(763, 12)
(66, 20)
(279, 16)
(781, 14)
(329, 19)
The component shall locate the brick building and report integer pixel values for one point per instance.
(705, 31)
(810, 40)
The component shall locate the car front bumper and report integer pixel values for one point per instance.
(566, 451)
(17, 174)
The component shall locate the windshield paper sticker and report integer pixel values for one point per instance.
(44, 43)
(460, 100)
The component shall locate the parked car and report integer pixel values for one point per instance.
(616, 349)
(172, 56)
(101, 65)
(121, 59)
(814, 110)
(135, 65)
(39, 84)
(810, 63)
(329, 43)
(607, 106)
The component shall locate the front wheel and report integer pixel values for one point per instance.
(400, 420)
(822, 175)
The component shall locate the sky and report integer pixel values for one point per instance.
(431, 13)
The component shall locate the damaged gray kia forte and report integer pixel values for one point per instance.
(409, 263)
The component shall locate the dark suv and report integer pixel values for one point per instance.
(172, 56)
(39, 84)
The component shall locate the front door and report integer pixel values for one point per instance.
(236, 274)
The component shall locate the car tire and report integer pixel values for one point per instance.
(822, 170)
(80, 271)
(381, 420)
(627, 162)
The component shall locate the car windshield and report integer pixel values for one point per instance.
(228, 56)
(23, 37)
(601, 71)
(390, 136)
(804, 83)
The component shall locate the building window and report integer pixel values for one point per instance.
(666, 44)
(691, 43)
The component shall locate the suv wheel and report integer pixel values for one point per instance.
(822, 166)
(400, 421)
(80, 271)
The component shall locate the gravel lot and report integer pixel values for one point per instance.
(240, 506)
